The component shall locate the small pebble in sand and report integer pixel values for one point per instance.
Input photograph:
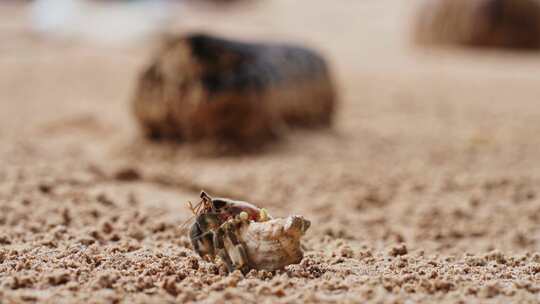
(398, 250)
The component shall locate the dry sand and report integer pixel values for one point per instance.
(427, 190)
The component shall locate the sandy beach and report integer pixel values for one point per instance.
(426, 190)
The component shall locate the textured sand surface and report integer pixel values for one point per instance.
(427, 190)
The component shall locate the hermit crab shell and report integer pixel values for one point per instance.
(274, 244)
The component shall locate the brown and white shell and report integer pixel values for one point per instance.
(274, 244)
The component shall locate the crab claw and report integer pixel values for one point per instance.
(244, 216)
(296, 224)
(263, 215)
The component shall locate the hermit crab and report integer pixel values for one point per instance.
(244, 236)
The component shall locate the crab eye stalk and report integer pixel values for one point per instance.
(205, 196)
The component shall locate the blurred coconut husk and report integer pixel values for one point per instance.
(200, 87)
(513, 24)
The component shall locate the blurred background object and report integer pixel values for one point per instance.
(480, 23)
(200, 86)
(106, 22)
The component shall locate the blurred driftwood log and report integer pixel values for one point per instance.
(480, 23)
(202, 87)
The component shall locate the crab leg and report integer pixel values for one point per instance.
(239, 255)
(219, 244)
(234, 257)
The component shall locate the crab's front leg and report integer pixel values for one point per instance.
(219, 245)
(201, 235)
(235, 256)
(237, 251)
